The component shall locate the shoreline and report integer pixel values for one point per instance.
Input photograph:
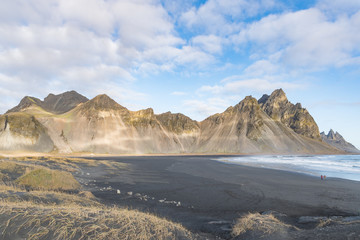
(208, 196)
(89, 155)
(288, 168)
(210, 190)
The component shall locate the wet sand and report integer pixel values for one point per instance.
(207, 196)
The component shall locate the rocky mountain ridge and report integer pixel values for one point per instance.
(70, 123)
(56, 104)
(336, 140)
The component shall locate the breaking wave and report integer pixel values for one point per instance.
(339, 166)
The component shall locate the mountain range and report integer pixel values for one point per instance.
(71, 123)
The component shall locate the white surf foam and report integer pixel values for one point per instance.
(340, 166)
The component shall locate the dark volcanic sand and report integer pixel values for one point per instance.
(211, 191)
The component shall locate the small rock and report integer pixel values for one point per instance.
(130, 193)
(118, 191)
(88, 174)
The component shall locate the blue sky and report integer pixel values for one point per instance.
(196, 57)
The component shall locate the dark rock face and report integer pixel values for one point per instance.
(57, 104)
(177, 123)
(293, 116)
(338, 141)
(62, 103)
(252, 123)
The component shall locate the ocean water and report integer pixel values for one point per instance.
(338, 166)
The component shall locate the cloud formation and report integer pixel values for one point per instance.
(305, 39)
(88, 45)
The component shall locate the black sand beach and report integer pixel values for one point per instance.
(207, 196)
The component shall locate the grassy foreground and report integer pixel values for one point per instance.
(36, 204)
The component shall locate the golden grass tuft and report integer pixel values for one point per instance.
(261, 224)
(71, 222)
(48, 179)
(48, 211)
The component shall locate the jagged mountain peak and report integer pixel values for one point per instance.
(278, 107)
(263, 99)
(335, 139)
(248, 101)
(331, 135)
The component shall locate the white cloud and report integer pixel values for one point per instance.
(236, 84)
(223, 16)
(61, 44)
(305, 39)
(337, 7)
(209, 43)
(177, 93)
(205, 108)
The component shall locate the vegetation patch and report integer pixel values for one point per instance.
(257, 225)
(72, 222)
(48, 179)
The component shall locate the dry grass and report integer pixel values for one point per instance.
(66, 164)
(47, 213)
(260, 224)
(47, 179)
(72, 222)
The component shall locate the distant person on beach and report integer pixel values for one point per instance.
(322, 177)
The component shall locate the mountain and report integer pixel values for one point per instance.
(69, 123)
(336, 140)
(246, 128)
(278, 107)
(56, 104)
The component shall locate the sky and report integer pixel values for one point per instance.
(196, 57)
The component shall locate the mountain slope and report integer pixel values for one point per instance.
(21, 131)
(246, 128)
(336, 140)
(103, 126)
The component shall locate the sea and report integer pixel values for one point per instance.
(333, 166)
